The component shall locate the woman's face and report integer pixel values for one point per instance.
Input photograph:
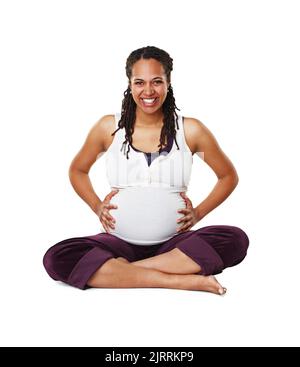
(148, 82)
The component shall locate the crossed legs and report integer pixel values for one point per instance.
(174, 261)
(186, 261)
(172, 269)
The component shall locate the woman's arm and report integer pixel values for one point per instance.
(206, 146)
(82, 185)
(94, 145)
(219, 193)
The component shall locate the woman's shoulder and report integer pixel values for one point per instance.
(191, 123)
(193, 129)
(107, 120)
(107, 125)
(199, 136)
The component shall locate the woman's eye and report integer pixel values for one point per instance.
(156, 81)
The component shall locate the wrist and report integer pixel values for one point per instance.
(199, 214)
(96, 206)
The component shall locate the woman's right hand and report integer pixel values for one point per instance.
(103, 211)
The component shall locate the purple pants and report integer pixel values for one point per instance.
(214, 248)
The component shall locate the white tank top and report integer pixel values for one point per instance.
(148, 197)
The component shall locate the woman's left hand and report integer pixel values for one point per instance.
(190, 217)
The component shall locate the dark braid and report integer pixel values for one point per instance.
(128, 112)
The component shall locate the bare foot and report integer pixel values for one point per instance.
(194, 282)
(204, 283)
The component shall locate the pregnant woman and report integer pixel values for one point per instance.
(147, 238)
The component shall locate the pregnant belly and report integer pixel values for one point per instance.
(146, 215)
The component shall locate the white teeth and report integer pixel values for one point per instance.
(149, 100)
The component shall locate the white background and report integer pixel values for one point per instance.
(236, 68)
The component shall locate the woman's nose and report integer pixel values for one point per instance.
(148, 90)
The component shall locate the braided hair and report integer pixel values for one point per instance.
(128, 112)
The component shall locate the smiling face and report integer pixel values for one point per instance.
(149, 86)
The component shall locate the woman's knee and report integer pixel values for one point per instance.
(241, 243)
(60, 259)
(50, 263)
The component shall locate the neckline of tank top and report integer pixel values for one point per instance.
(164, 150)
(167, 148)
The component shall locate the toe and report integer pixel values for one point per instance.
(222, 290)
